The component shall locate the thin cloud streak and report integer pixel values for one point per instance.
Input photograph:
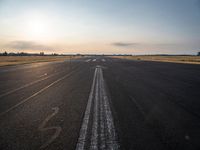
(27, 45)
(132, 44)
(124, 44)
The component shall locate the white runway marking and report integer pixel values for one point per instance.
(101, 134)
(111, 142)
(102, 122)
(29, 84)
(83, 132)
(94, 136)
(103, 60)
(43, 75)
(87, 60)
(35, 94)
(94, 60)
(56, 128)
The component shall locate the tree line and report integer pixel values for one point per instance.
(28, 54)
(55, 54)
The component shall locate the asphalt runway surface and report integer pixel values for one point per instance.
(100, 103)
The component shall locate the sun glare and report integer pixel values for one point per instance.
(38, 26)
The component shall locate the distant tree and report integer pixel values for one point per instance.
(54, 54)
(23, 54)
(5, 53)
(198, 54)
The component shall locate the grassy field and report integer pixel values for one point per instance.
(176, 59)
(15, 60)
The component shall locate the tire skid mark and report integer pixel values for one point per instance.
(138, 106)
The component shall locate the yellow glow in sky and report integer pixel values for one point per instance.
(37, 27)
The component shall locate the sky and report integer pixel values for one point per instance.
(100, 26)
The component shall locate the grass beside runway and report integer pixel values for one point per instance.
(16, 60)
(175, 59)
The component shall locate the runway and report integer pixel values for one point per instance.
(100, 103)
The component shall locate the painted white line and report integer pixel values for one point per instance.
(56, 128)
(27, 85)
(94, 60)
(103, 60)
(95, 124)
(35, 94)
(102, 133)
(84, 127)
(111, 140)
(87, 60)
(102, 120)
(43, 75)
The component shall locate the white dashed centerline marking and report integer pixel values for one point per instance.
(103, 60)
(43, 75)
(87, 60)
(97, 129)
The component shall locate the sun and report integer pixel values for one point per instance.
(38, 26)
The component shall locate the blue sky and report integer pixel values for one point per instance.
(101, 26)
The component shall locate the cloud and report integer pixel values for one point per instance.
(124, 44)
(27, 45)
(129, 44)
